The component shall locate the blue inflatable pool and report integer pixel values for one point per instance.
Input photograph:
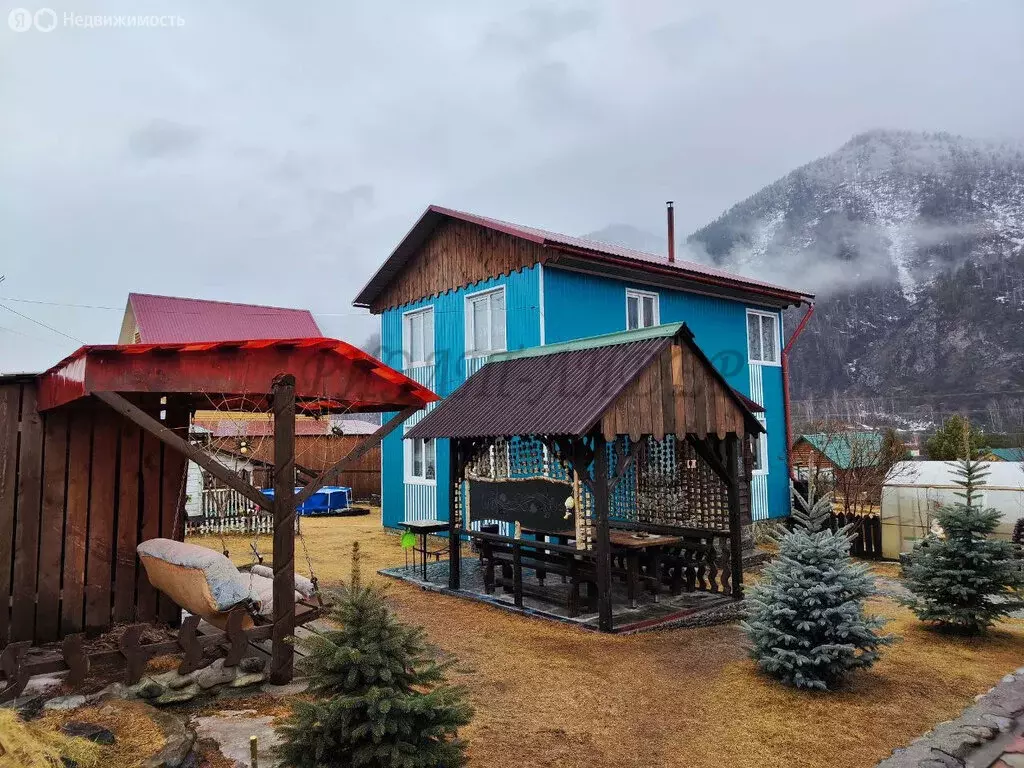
(329, 500)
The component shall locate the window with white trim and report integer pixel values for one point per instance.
(421, 461)
(418, 337)
(485, 323)
(762, 337)
(760, 441)
(641, 309)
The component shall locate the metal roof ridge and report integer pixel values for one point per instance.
(591, 342)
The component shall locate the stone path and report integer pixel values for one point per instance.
(989, 734)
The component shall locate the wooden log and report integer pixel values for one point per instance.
(283, 655)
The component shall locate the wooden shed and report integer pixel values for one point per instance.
(92, 462)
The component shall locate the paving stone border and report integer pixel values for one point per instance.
(983, 736)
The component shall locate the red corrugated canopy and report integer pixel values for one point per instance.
(331, 376)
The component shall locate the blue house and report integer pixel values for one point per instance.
(460, 287)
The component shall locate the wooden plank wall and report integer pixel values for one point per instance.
(675, 394)
(318, 452)
(458, 254)
(78, 488)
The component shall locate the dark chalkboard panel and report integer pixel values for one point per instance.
(534, 503)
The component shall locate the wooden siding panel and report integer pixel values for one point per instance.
(76, 520)
(10, 398)
(458, 254)
(102, 511)
(125, 562)
(51, 542)
(26, 547)
(150, 526)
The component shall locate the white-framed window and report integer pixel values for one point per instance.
(420, 461)
(418, 337)
(760, 446)
(763, 337)
(485, 323)
(641, 309)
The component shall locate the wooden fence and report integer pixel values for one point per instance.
(80, 486)
(867, 532)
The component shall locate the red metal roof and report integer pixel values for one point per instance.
(172, 319)
(578, 246)
(331, 376)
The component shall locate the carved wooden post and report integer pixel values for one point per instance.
(283, 653)
(454, 514)
(732, 465)
(604, 547)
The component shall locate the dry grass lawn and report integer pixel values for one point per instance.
(548, 694)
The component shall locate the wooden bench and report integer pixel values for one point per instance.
(509, 557)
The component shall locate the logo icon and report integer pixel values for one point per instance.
(45, 19)
(20, 20)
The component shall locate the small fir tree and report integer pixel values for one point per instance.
(381, 700)
(961, 579)
(1018, 533)
(806, 621)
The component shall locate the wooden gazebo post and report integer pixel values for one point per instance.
(604, 546)
(455, 470)
(283, 652)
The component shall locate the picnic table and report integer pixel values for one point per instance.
(424, 528)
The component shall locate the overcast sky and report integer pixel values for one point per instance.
(276, 152)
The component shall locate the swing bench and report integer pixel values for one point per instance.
(207, 584)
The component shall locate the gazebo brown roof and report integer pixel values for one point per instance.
(568, 389)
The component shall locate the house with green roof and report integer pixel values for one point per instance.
(838, 451)
(1003, 454)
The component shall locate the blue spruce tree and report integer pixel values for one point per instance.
(963, 580)
(381, 701)
(805, 619)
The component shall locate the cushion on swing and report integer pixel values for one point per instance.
(302, 585)
(198, 579)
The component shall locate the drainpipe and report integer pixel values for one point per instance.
(785, 386)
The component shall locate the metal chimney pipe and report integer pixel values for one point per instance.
(670, 213)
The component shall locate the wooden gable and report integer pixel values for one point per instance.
(456, 255)
(676, 394)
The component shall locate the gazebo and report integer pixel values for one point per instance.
(92, 462)
(626, 455)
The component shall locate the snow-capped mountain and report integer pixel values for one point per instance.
(914, 244)
(886, 206)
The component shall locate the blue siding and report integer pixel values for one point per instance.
(578, 305)
(522, 324)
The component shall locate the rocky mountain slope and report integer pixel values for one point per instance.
(914, 244)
